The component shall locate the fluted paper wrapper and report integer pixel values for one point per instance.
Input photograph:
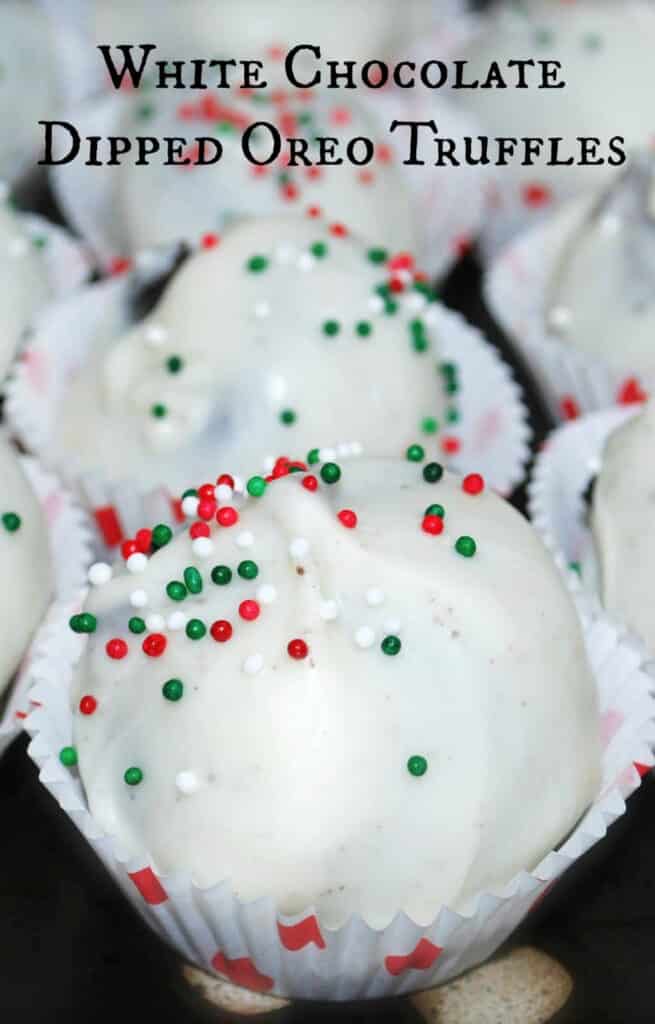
(516, 292)
(255, 946)
(493, 429)
(70, 546)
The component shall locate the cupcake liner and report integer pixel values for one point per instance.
(516, 289)
(571, 457)
(254, 946)
(70, 544)
(492, 435)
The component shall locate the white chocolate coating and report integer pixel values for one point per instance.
(604, 50)
(600, 298)
(126, 208)
(24, 563)
(23, 284)
(254, 347)
(26, 43)
(622, 507)
(289, 776)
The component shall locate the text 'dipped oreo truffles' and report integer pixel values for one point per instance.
(285, 332)
(351, 656)
(25, 562)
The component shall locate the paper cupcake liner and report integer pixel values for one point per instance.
(515, 289)
(571, 457)
(70, 546)
(492, 435)
(256, 947)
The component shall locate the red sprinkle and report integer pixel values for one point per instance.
(569, 408)
(154, 645)
(338, 230)
(143, 541)
(347, 518)
(249, 610)
(433, 525)
(221, 630)
(207, 508)
(206, 492)
(88, 705)
(631, 392)
(310, 482)
(297, 649)
(401, 261)
(199, 530)
(225, 478)
(209, 241)
(128, 547)
(314, 211)
(450, 445)
(116, 648)
(227, 516)
(473, 484)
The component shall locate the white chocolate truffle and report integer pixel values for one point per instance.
(621, 514)
(123, 209)
(602, 288)
(28, 82)
(23, 284)
(24, 563)
(273, 341)
(604, 50)
(406, 753)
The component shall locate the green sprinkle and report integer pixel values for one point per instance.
(331, 328)
(173, 689)
(417, 765)
(415, 453)
(248, 570)
(452, 415)
(68, 757)
(390, 306)
(319, 250)
(176, 590)
(83, 623)
(256, 264)
(221, 575)
(390, 645)
(145, 111)
(174, 364)
(133, 776)
(364, 328)
(575, 567)
(191, 493)
(312, 457)
(39, 242)
(432, 473)
(465, 546)
(193, 580)
(256, 486)
(11, 522)
(287, 417)
(429, 425)
(330, 473)
(136, 625)
(377, 255)
(159, 410)
(435, 510)
(161, 535)
(195, 629)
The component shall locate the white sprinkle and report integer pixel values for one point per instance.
(137, 562)
(155, 622)
(431, 315)
(187, 782)
(375, 596)
(176, 621)
(17, 246)
(99, 574)
(239, 484)
(364, 637)
(376, 304)
(138, 599)
(268, 463)
(392, 626)
(223, 492)
(262, 310)
(306, 262)
(404, 275)
(414, 302)
(190, 505)
(202, 547)
(560, 318)
(245, 539)
(253, 664)
(343, 449)
(298, 547)
(266, 593)
(328, 610)
(327, 454)
(155, 335)
(277, 387)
